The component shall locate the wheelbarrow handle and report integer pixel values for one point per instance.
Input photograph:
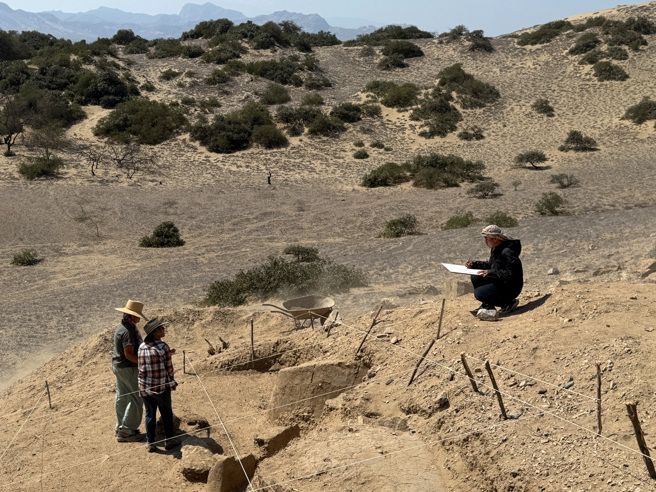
(273, 305)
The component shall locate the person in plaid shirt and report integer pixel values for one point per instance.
(156, 382)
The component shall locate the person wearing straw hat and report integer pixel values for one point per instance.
(129, 405)
(501, 279)
(156, 380)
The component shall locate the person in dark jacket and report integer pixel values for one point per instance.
(500, 280)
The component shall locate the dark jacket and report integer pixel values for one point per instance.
(505, 267)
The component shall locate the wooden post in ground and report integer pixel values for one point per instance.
(373, 323)
(633, 416)
(598, 398)
(252, 342)
(331, 324)
(184, 362)
(496, 389)
(469, 373)
(48, 390)
(429, 346)
(439, 325)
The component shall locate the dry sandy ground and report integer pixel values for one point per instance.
(87, 229)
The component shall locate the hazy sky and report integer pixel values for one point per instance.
(493, 16)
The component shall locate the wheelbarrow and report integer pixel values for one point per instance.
(305, 308)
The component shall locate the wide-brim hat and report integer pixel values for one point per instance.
(494, 231)
(152, 325)
(134, 308)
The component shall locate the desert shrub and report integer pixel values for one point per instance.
(269, 137)
(150, 122)
(402, 96)
(545, 33)
(441, 124)
(550, 204)
(358, 143)
(169, 74)
(605, 70)
(472, 93)
(621, 35)
(532, 157)
(564, 180)
(165, 48)
(40, 167)
(123, 37)
(460, 221)
(325, 125)
(280, 71)
(577, 142)
(402, 226)
(188, 101)
(586, 42)
(208, 105)
(440, 117)
(9, 153)
(381, 36)
(367, 51)
(643, 111)
(371, 110)
(312, 99)
(361, 154)
(641, 25)
(224, 135)
(148, 86)
(391, 62)
(435, 171)
(275, 94)
(401, 47)
(301, 114)
(224, 52)
(478, 42)
(347, 112)
(454, 34)
(617, 53)
(316, 82)
(516, 184)
(471, 133)
(542, 106)
(191, 51)
(302, 253)
(217, 77)
(165, 235)
(377, 144)
(27, 257)
(208, 29)
(592, 57)
(502, 219)
(486, 189)
(137, 47)
(279, 276)
(379, 87)
(104, 88)
(388, 174)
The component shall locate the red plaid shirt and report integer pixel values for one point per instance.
(155, 368)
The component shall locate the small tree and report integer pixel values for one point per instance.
(564, 180)
(165, 235)
(486, 189)
(12, 120)
(550, 204)
(531, 157)
(577, 142)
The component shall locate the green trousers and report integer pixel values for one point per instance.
(129, 405)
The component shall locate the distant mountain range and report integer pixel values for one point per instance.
(104, 22)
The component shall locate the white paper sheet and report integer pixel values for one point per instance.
(460, 269)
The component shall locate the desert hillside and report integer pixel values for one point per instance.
(587, 298)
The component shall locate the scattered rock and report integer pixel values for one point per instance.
(395, 423)
(227, 474)
(197, 460)
(487, 314)
(276, 439)
(553, 271)
(542, 391)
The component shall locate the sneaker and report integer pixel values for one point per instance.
(122, 436)
(487, 314)
(511, 306)
(151, 447)
(171, 444)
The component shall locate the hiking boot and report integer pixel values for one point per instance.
(151, 447)
(122, 436)
(511, 306)
(171, 443)
(487, 314)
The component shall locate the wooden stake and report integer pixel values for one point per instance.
(252, 342)
(373, 323)
(439, 325)
(331, 324)
(598, 398)
(633, 416)
(469, 373)
(48, 390)
(423, 356)
(496, 389)
(184, 362)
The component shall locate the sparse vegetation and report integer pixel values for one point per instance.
(279, 276)
(312, 99)
(27, 257)
(326, 126)
(472, 93)
(532, 157)
(502, 219)
(302, 253)
(405, 225)
(377, 144)
(460, 221)
(586, 42)
(485, 189)
(388, 174)
(545, 33)
(542, 106)
(275, 94)
(564, 180)
(347, 112)
(471, 133)
(361, 154)
(550, 204)
(381, 36)
(645, 110)
(401, 47)
(40, 167)
(165, 235)
(605, 71)
(169, 74)
(577, 142)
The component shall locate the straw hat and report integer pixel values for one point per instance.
(152, 325)
(495, 232)
(134, 308)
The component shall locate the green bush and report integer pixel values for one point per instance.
(359, 143)
(388, 174)
(472, 93)
(224, 52)
(316, 82)
(377, 144)
(281, 71)
(191, 51)
(564, 180)
(592, 57)
(269, 137)
(531, 157)
(165, 235)
(545, 33)
(617, 53)
(347, 112)
(391, 62)
(542, 106)
(371, 110)
(486, 189)
(643, 111)
(379, 87)
(9, 153)
(605, 70)
(478, 42)
(148, 86)
(381, 36)
(165, 48)
(325, 125)
(367, 51)
(217, 77)
(460, 221)
(454, 34)
(550, 204)
(150, 122)
(105, 89)
(439, 116)
(435, 171)
(403, 226)
(401, 47)
(471, 133)
(586, 42)
(40, 167)
(402, 96)
(502, 219)
(275, 94)
(577, 142)
(312, 99)
(188, 101)
(281, 277)
(169, 74)
(27, 257)
(361, 154)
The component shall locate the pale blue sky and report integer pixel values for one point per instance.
(495, 17)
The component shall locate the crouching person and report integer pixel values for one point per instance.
(156, 381)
